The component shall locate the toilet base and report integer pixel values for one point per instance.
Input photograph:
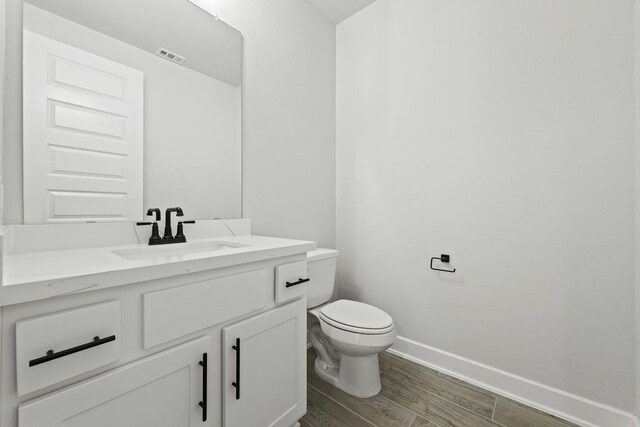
(358, 376)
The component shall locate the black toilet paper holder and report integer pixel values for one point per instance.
(443, 258)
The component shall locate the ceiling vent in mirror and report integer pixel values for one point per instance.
(171, 56)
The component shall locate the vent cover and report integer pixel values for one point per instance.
(171, 56)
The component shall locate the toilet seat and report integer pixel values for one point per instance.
(356, 317)
(358, 342)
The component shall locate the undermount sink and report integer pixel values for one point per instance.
(175, 249)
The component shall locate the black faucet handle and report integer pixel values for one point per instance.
(155, 235)
(180, 232)
(151, 211)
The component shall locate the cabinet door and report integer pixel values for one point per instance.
(264, 369)
(163, 390)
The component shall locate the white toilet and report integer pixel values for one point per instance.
(349, 335)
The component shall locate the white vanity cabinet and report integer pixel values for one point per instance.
(156, 376)
(163, 390)
(264, 368)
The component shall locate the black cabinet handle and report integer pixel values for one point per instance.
(203, 402)
(51, 355)
(300, 281)
(236, 383)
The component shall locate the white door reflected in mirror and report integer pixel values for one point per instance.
(83, 135)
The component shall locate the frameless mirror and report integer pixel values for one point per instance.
(129, 105)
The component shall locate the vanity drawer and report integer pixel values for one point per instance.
(59, 346)
(176, 312)
(291, 281)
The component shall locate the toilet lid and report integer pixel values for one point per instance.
(353, 314)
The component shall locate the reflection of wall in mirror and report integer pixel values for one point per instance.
(191, 123)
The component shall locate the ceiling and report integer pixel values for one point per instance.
(337, 11)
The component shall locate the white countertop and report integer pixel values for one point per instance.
(34, 276)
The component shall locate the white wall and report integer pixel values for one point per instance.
(288, 116)
(501, 133)
(637, 147)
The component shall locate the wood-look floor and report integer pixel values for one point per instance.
(415, 396)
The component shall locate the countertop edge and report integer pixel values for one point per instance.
(43, 289)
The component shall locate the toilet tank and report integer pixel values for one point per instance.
(321, 267)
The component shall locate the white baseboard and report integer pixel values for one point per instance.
(548, 399)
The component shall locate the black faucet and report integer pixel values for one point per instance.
(168, 234)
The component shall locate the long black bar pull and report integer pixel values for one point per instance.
(236, 383)
(203, 402)
(443, 258)
(52, 355)
(300, 281)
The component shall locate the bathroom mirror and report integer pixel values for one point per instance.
(129, 105)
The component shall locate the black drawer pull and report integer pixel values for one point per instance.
(290, 284)
(236, 383)
(51, 355)
(203, 402)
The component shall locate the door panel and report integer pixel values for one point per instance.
(83, 135)
(272, 368)
(163, 402)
